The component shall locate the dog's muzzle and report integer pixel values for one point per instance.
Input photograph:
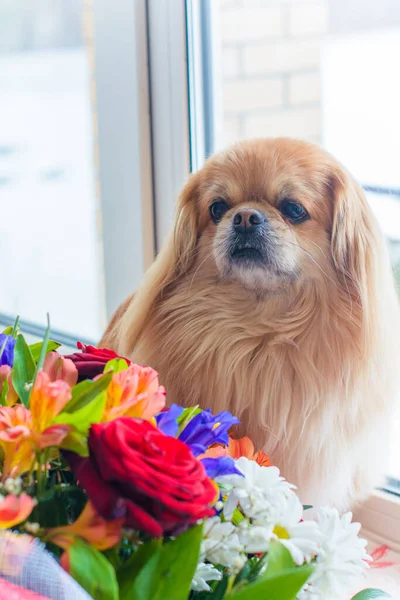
(248, 237)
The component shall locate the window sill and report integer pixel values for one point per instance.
(380, 519)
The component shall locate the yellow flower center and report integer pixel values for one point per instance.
(281, 532)
(216, 425)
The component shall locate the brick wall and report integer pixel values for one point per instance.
(271, 67)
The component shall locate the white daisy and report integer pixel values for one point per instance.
(259, 493)
(255, 538)
(221, 544)
(301, 538)
(204, 573)
(341, 559)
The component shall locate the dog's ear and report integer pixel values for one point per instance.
(353, 232)
(186, 231)
(173, 261)
(358, 248)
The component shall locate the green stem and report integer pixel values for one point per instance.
(42, 458)
(229, 587)
(15, 328)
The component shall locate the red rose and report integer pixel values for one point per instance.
(136, 472)
(91, 361)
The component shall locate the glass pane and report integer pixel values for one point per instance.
(49, 236)
(325, 71)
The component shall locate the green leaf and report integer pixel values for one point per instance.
(76, 442)
(84, 417)
(279, 559)
(42, 355)
(92, 571)
(13, 329)
(4, 391)
(86, 391)
(132, 567)
(23, 370)
(220, 589)
(116, 365)
(370, 594)
(16, 328)
(37, 348)
(237, 517)
(251, 570)
(169, 572)
(307, 506)
(187, 416)
(284, 586)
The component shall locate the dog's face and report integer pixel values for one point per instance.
(268, 213)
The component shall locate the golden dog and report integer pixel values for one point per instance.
(274, 299)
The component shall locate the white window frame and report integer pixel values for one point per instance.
(380, 519)
(122, 105)
(169, 107)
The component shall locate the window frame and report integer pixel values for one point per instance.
(168, 79)
(380, 519)
(122, 121)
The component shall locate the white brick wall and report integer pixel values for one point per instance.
(245, 95)
(244, 24)
(304, 88)
(281, 56)
(301, 123)
(271, 67)
(230, 61)
(306, 19)
(232, 130)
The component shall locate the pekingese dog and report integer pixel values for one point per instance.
(274, 299)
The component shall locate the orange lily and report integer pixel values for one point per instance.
(15, 509)
(237, 448)
(15, 433)
(134, 392)
(245, 447)
(89, 526)
(58, 367)
(24, 431)
(214, 452)
(48, 398)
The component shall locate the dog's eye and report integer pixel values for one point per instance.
(217, 210)
(294, 211)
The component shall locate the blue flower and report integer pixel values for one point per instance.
(7, 356)
(218, 467)
(206, 429)
(167, 421)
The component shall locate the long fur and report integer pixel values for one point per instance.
(312, 369)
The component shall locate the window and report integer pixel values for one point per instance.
(320, 70)
(49, 227)
(105, 109)
(74, 162)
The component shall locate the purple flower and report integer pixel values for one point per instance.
(206, 429)
(6, 352)
(167, 421)
(218, 467)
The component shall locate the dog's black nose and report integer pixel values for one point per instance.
(248, 219)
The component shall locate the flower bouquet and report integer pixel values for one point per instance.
(107, 494)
